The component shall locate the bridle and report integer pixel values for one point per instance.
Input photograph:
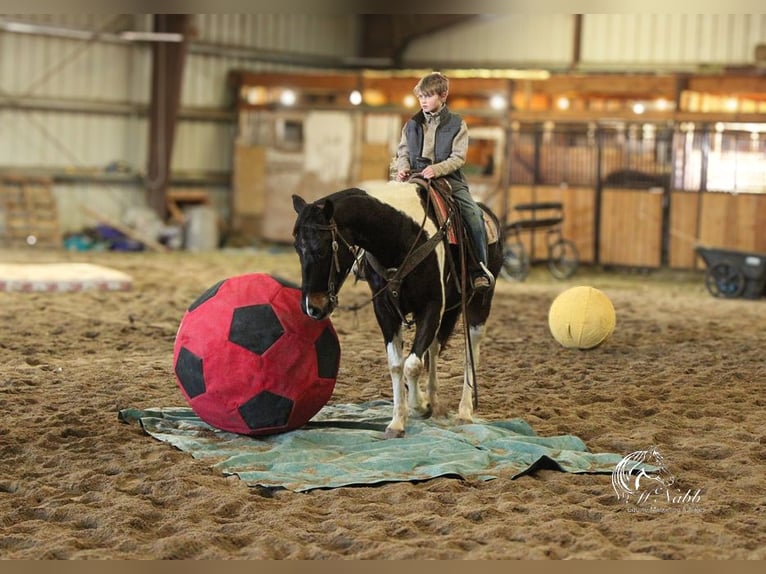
(334, 278)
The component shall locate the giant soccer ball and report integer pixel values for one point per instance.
(249, 361)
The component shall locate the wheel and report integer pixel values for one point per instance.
(725, 280)
(515, 262)
(563, 259)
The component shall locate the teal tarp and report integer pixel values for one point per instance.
(344, 445)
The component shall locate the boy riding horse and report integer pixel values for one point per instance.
(434, 144)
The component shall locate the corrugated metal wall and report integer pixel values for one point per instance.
(504, 39)
(609, 41)
(77, 106)
(660, 40)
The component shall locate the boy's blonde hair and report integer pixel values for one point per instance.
(434, 83)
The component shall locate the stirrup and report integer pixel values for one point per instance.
(485, 281)
(481, 283)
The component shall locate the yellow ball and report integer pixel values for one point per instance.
(581, 318)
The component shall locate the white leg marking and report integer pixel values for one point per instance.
(465, 410)
(395, 428)
(413, 367)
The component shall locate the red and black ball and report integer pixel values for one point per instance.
(249, 361)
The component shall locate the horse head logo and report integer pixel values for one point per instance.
(641, 474)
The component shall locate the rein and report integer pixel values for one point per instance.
(394, 276)
(461, 281)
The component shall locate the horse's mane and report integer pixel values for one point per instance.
(343, 194)
(389, 200)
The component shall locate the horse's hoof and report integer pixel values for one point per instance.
(394, 433)
(464, 420)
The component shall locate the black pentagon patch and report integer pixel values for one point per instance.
(286, 282)
(209, 294)
(189, 372)
(266, 410)
(328, 350)
(256, 328)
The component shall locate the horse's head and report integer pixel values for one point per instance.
(326, 256)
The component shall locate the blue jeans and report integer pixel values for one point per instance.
(473, 219)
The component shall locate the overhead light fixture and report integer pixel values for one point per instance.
(78, 34)
(355, 98)
(288, 98)
(132, 36)
(26, 28)
(498, 102)
(409, 101)
(639, 108)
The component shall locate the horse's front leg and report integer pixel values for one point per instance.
(394, 352)
(465, 410)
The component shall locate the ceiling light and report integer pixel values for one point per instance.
(151, 36)
(287, 98)
(498, 102)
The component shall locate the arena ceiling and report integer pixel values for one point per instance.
(386, 36)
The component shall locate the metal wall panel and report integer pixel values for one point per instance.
(507, 39)
(332, 35)
(609, 41)
(654, 41)
(69, 69)
(205, 74)
(203, 146)
(69, 141)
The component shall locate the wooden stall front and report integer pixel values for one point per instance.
(579, 221)
(630, 231)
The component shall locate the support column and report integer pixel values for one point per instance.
(168, 60)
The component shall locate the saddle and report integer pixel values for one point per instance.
(439, 189)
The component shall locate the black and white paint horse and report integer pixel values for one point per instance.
(389, 225)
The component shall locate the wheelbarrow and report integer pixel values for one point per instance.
(731, 274)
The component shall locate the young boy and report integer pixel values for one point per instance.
(434, 143)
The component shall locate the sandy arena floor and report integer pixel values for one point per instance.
(683, 371)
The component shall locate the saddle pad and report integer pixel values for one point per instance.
(343, 445)
(491, 229)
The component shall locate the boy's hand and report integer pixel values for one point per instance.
(403, 175)
(428, 172)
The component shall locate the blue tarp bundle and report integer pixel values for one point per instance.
(344, 445)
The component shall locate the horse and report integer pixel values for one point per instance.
(392, 237)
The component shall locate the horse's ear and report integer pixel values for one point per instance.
(298, 203)
(328, 209)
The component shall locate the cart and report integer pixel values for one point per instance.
(563, 258)
(731, 274)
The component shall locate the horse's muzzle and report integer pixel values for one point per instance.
(318, 305)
